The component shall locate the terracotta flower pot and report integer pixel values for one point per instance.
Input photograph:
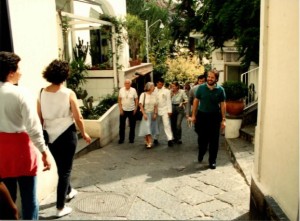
(135, 62)
(235, 108)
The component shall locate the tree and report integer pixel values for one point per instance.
(134, 25)
(237, 20)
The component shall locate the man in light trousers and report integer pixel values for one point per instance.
(164, 111)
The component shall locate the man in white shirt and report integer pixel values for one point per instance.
(164, 110)
(128, 103)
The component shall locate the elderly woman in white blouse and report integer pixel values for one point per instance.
(148, 107)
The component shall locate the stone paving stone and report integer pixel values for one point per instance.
(158, 198)
(226, 214)
(221, 182)
(192, 196)
(184, 211)
(212, 206)
(169, 186)
(142, 210)
(210, 190)
(236, 197)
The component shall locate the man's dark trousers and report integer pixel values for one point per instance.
(123, 118)
(208, 129)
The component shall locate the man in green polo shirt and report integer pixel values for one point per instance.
(209, 117)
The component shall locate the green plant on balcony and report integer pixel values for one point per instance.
(135, 35)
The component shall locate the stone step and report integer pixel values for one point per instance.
(83, 147)
(242, 156)
(248, 133)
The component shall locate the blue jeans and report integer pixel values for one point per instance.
(27, 185)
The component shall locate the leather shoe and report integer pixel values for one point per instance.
(212, 166)
(155, 142)
(121, 141)
(170, 143)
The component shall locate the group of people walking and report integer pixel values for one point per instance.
(203, 105)
(21, 129)
(57, 113)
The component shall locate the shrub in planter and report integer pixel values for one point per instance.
(236, 92)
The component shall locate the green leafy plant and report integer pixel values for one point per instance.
(183, 68)
(134, 26)
(78, 68)
(235, 90)
(90, 112)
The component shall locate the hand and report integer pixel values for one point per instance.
(46, 161)
(223, 124)
(145, 116)
(170, 114)
(134, 111)
(87, 138)
(121, 112)
(193, 119)
(154, 116)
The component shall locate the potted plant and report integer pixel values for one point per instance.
(135, 37)
(236, 92)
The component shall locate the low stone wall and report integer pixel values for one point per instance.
(106, 127)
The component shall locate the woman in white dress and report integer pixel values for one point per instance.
(148, 107)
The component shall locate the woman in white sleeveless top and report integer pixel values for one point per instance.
(58, 109)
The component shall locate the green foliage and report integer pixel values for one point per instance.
(78, 68)
(90, 112)
(136, 37)
(77, 75)
(119, 36)
(237, 20)
(235, 90)
(183, 68)
(80, 51)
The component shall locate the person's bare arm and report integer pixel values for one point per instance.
(78, 117)
(195, 108)
(8, 209)
(223, 112)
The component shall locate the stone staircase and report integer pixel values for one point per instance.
(241, 150)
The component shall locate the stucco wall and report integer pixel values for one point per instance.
(276, 169)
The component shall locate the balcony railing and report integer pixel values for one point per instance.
(250, 78)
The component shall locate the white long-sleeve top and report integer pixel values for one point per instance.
(18, 113)
(164, 103)
(56, 112)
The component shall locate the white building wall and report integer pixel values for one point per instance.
(276, 169)
(34, 34)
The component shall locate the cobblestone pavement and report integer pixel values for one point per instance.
(129, 182)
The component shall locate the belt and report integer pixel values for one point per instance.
(175, 104)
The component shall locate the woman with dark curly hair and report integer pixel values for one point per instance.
(58, 109)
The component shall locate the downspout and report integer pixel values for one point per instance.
(114, 52)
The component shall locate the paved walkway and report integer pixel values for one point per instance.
(130, 182)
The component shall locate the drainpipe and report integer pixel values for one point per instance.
(116, 75)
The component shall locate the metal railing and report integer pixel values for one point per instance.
(250, 78)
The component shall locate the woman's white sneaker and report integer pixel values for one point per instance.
(62, 212)
(72, 194)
